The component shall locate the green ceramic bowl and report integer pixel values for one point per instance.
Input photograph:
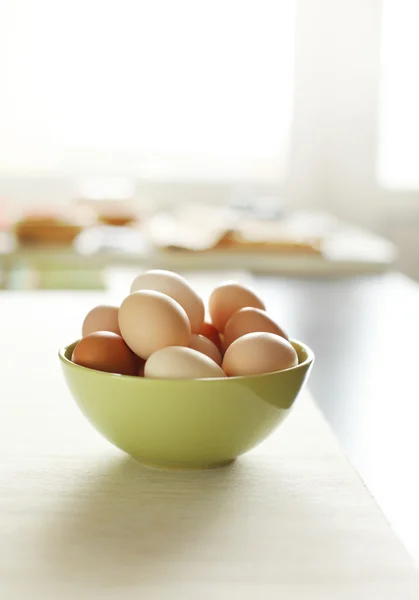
(186, 424)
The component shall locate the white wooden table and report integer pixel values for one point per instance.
(78, 519)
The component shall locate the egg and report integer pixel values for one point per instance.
(249, 320)
(257, 353)
(176, 362)
(204, 345)
(101, 318)
(208, 330)
(105, 351)
(176, 287)
(141, 367)
(150, 320)
(228, 298)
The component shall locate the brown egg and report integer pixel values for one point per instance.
(101, 318)
(227, 299)
(141, 366)
(250, 320)
(205, 346)
(178, 288)
(105, 351)
(257, 353)
(208, 330)
(151, 320)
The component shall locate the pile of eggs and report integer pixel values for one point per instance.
(160, 331)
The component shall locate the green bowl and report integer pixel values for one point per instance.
(185, 423)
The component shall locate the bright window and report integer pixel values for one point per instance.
(168, 88)
(399, 114)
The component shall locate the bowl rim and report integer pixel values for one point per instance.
(305, 363)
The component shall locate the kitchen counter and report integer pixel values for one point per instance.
(79, 519)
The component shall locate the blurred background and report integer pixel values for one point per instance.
(276, 141)
(277, 136)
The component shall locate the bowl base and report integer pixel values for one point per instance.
(183, 466)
